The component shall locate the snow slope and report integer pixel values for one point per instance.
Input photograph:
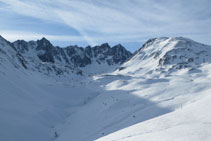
(173, 73)
(188, 97)
(145, 106)
(149, 101)
(32, 104)
(153, 96)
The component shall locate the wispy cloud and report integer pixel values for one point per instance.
(16, 35)
(121, 20)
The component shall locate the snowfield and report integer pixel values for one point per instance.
(162, 93)
(187, 97)
(176, 107)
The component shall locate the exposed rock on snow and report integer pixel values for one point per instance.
(41, 54)
(167, 55)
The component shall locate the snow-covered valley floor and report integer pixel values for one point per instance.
(172, 107)
(106, 107)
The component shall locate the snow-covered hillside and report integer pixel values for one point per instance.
(9, 55)
(161, 93)
(167, 55)
(182, 99)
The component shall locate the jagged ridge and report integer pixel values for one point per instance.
(41, 55)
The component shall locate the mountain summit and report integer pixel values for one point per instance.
(167, 55)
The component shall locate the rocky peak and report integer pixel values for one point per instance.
(118, 46)
(44, 44)
(47, 50)
(105, 45)
(120, 54)
(103, 48)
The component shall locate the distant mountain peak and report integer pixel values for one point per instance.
(169, 54)
(43, 39)
(105, 45)
(44, 42)
(118, 46)
(42, 56)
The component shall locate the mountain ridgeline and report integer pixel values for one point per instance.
(41, 55)
(156, 55)
(167, 55)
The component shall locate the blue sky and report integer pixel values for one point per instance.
(83, 22)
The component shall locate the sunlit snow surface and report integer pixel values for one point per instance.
(186, 96)
(143, 101)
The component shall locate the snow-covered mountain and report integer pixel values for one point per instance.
(9, 55)
(162, 92)
(167, 55)
(46, 58)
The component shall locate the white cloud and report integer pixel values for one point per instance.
(12, 35)
(129, 20)
(16, 35)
